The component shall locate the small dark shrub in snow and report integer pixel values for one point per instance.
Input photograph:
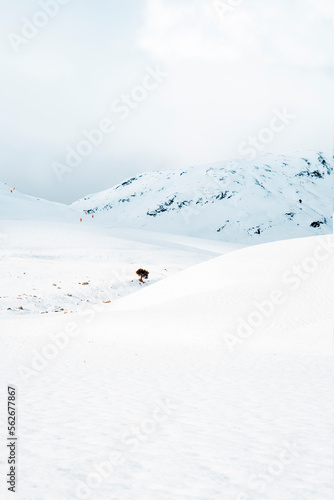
(143, 274)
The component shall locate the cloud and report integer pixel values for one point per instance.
(281, 32)
(176, 31)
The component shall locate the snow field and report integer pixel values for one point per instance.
(147, 400)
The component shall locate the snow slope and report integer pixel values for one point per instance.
(250, 201)
(150, 398)
(17, 206)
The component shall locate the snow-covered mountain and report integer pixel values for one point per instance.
(246, 201)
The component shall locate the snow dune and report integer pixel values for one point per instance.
(271, 290)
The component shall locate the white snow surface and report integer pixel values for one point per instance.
(247, 201)
(17, 206)
(167, 384)
(49, 266)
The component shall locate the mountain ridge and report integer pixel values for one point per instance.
(246, 201)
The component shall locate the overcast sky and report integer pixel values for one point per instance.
(230, 66)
